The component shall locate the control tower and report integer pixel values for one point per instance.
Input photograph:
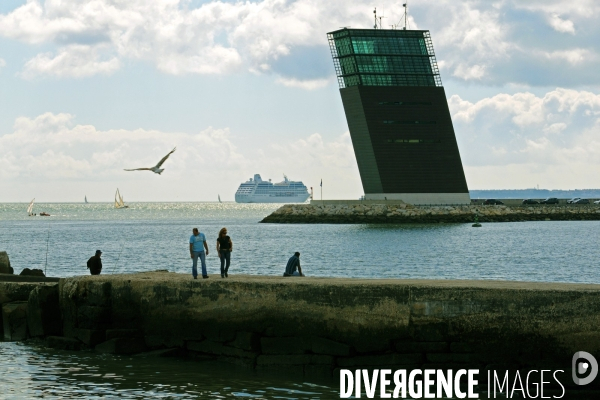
(398, 116)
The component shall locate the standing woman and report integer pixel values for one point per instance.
(224, 248)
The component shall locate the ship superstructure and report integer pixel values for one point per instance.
(255, 190)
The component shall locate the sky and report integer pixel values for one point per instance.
(88, 88)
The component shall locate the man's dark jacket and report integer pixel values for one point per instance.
(95, 265)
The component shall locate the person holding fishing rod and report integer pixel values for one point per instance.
(94, 264)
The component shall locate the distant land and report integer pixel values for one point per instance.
(534, 194)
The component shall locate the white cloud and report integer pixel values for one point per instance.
(561, 25)
(574, 56)
(50, 146)
(554, 138)
(53, 158)
(2, 63)
(500, 43)
(588, 9)
(469, 72)
(217, 37)
(308, 84)
(516, 141)
(475, 41)
(75, 61)
(555, 128)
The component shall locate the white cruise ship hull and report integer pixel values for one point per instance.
(270, 199)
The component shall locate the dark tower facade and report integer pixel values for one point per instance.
(398, 116)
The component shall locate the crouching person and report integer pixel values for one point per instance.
(293, 266)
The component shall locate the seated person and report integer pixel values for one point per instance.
(293, 264)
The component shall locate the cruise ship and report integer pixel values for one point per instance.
(258, 191)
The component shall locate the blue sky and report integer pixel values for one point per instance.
(88, 88)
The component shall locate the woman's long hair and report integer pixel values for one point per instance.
(222, 232)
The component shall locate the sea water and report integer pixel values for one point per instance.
(151, 236)
(31, 371)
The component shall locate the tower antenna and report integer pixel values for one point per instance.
(375, 16)
(405, 5)
(378, 20)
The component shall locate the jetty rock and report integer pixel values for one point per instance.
(5, 267)
(315, 326)
(352, 213)
(32, 272)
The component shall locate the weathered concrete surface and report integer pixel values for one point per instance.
(407, 213)
(326, 323)
(14, 317)
(5, 267)
(25, 278)
(43, 311)
(16, 291)
(63, 343)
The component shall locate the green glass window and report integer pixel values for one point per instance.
(413, 141)
(404, 103)
(410, 122)
(378, 57)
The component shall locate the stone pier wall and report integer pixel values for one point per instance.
(318, 325)
(314, 326)
(407, 213)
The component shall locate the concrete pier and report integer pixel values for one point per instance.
(316, 326)
(357, 212)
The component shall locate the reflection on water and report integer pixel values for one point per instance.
(31, 371)
(546, 251)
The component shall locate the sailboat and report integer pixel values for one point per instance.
(30, 208)
(119, 203)
(85, 200)
(219, 198)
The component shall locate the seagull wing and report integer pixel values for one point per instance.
(139, 169)
(165, 158)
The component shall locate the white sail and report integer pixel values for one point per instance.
(30, 207)
(85, 199)
(119, 203)
(219, 198)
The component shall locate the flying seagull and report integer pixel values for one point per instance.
(156, 169)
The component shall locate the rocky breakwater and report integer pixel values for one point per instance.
(29, 309)
(5, 267)
(318, 325)
(28, 303)
(407, 213)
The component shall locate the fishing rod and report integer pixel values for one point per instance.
(47, 243)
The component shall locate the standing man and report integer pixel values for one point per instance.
(94, 264)
(197, 247)
(293, 264)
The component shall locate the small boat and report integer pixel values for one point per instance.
(119, 203)
(85, 200)
(44, 214)
(219, 198)
(30, 208)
